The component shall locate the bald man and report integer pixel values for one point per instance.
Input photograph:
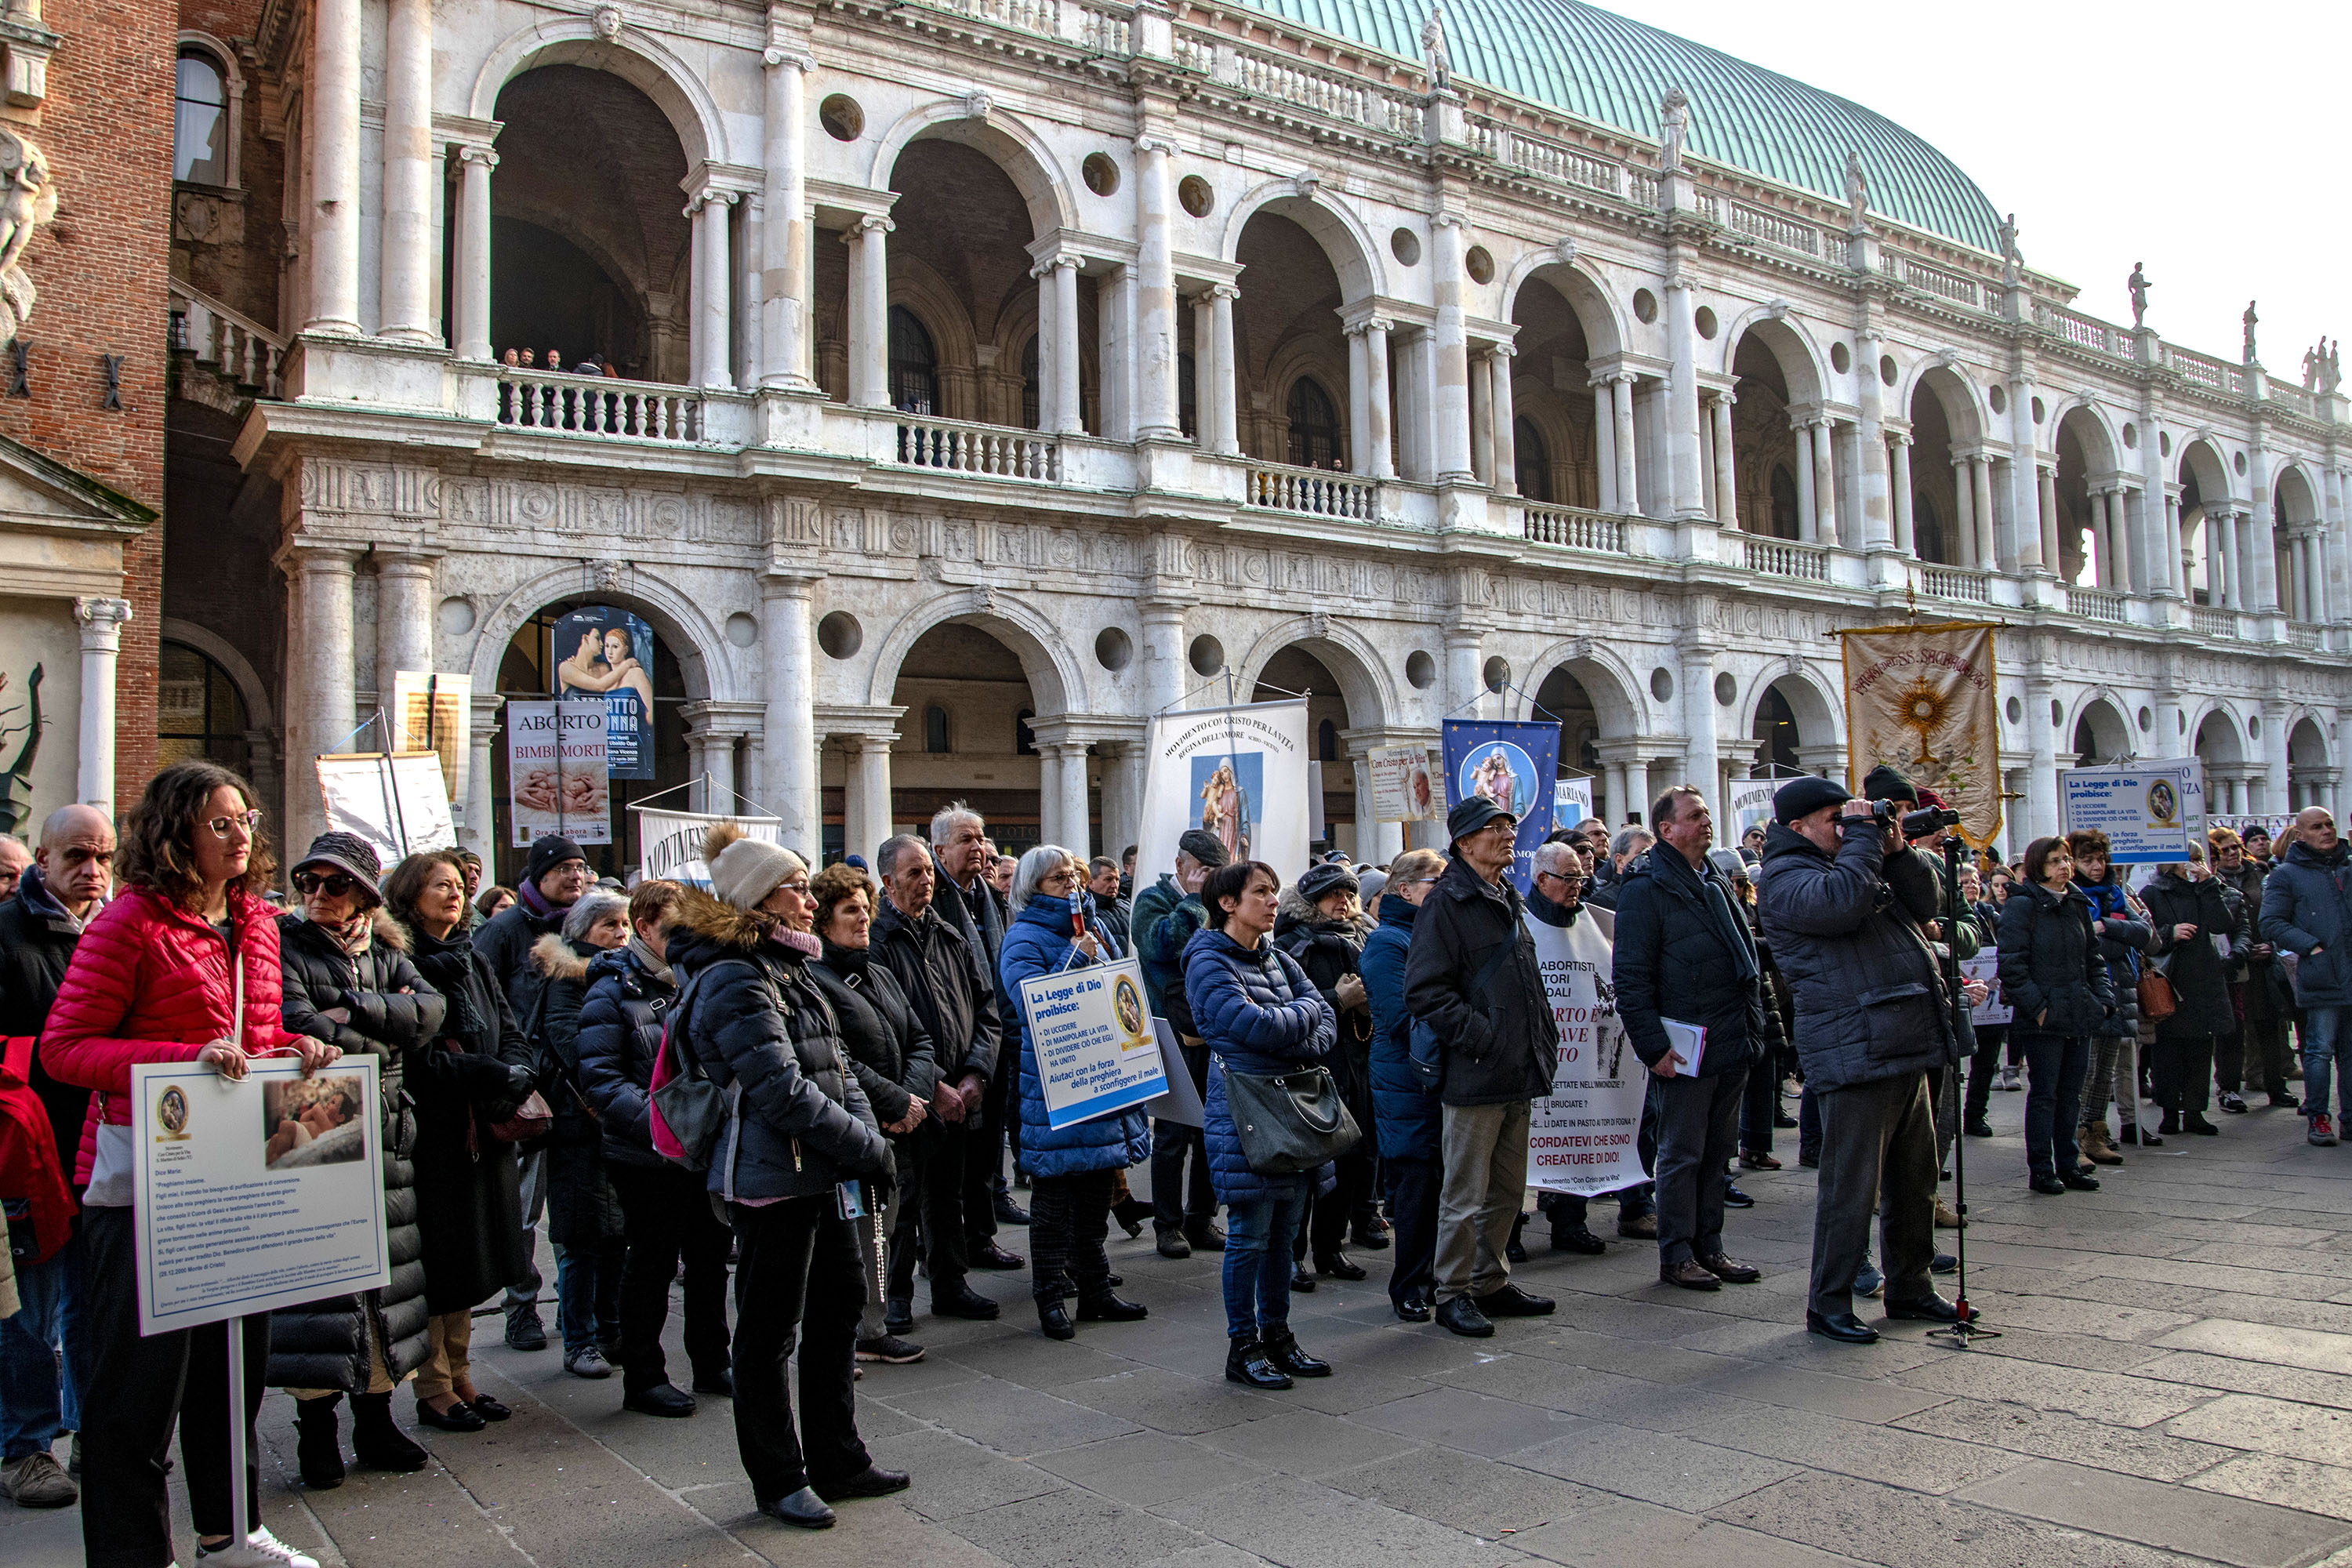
(14, 859)
(63, 887)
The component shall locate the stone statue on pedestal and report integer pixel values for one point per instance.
(2137, 284)
(1433, 50)
(27, 200)
(2010, 262)
(2252, 320)
(1857, 190)
(2312, 360)
(2331, 368)
(1673, 126)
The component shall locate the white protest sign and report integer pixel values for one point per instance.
(670, 842)
(556, 778)
(1995, 1008)
(399, 804)
(432, 712)
(1571, 802)
(254, 1193)
(1096, 1052)
(1401, 789)
(2147, 810)
(1749, 804)
(1242, 775)
(1585, 1136)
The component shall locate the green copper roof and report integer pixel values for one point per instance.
(1597, 66)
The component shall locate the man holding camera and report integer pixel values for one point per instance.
(1843, 905)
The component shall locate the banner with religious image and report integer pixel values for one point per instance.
(1403, 789)
(1242, 775)
(1923, 701)
(1513, 765)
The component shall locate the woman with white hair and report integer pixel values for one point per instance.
(1073, 1171)
(584, 1214)
(793, 1163)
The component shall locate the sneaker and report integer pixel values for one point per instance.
(889, 1348)
(588, 1362)
(2285, 1102)
(260, 1549)
(1869, 1281)
(524, 1331)
(2009, 1078)
(2235, 1104)
(2323, 1133)
(37, 1480)
(1946, 1216)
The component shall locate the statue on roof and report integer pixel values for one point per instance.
(1857, 189)
(2010, 262)
(1674, 127)
(2313, 359)
(2331, 368)
(2137, 284)
(2252, 320)
(1433, 50)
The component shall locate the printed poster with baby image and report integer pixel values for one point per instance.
(1097, 1050)
(255, 1193)
(556, 778)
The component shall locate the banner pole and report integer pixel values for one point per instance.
(240, 1527)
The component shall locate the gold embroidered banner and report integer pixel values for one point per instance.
(1922, 699)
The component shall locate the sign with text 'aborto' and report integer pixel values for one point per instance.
(556, 779)
(1096, 1053)
(254, 1193)
(1585, 1136)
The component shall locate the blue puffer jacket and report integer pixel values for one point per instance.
(1404, 1103)
(1038, 943)
(1260, 1013)
(2307, 903)
(620, 1036)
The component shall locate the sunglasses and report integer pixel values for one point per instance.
(248, 820)
(333, 884)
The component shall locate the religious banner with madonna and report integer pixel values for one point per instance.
(1514, 763)
(1923, 701)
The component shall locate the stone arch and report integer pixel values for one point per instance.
(1348, 244)
(2230, 744)
(233, 85)
(1362, 671)
(2102, 444)
(1607, 679)
(1782, 335)
(1003, 138)
(1055, 678)
(942, 312)
(2112, 734)
(1573, 282)
(1820, 716)
(635, 56)
(705, 659)
(1965, 412)
(2202, 460)
(260, 713)
(2295, 492)
(1308, 356)
(2307, 739)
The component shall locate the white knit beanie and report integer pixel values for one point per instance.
(744, 871)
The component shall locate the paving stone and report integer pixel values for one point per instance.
(1644, 1359)
(1654, 1466)
(1904, 1530)
(1010, 1418)
(1871, 1451)
(2261, 1342)
(955, 1476)
(1306, 1443)
(1641, 1535)
(2228, 1530)
(2290, 1483)
(2329, 1388)
(1169, 1402)
(1853, 1398)
(1303, 1525)
(2057, 1435)
(1073, 1529)
(2105, 1396)
(1147, 1468)
(1460, 1419)
(1491, 1500)
(2270, 1425)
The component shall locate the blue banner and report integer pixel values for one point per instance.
(605, 652)
(1516, 766)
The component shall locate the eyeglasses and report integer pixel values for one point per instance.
(248, 820)
(798, 887)
(1565, 881)
(335, 885)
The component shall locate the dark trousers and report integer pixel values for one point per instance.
(668, 1215)
(2183, 1071)
(983, 1174)
(1759, 1104)
(1413, 1225)
(1878, 1147)
(935, 1195)
(1809, 1127)
(2054, 1065)
(139, 1390)
(1068, 1218)
(1175, 1205)
(2255, 1053)
(1699, 1128)
(1328, 1213)
(799, 1283)
(1984, 1070)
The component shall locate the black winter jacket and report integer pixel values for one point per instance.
(620, 1034)
(506, 941)
(583, 1210)
(468, 1185)
(1870, 1002)
(889, 1050)
(2051, 971)
(1683, 951)
(36, 943)
(2200, 985)
(1471, 976)
(1328, 952)
(933, 962)
(764, 1032)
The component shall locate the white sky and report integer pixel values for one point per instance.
(2206, 143)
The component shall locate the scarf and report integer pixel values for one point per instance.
(846, 960)
(538, 906)
(449, 966)
(803, 944)
(649, 961)
(354, 936)
(34, 890)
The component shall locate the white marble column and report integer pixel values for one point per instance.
(1825, 517)
(1062, 797)
(1898, 470)
(1701, 760)
(1987, 547)
(330, 117)
(1224, 435)
(1876, 526)
(1726, 478)
(869, 312)
(1809, 517)
(1450, 371)
(784, 259)
(1482, 420)
(1964, 513)
(323, 683)
(1060, 409)
(789, 784)
(1501, 414)
(2046, 530)
(2317, 603)
(1629, 486)
(1684, 489)
(1155, 295)
(1360, 403)
(101, 621)
(2275, 757)
(865, 802)
(1378, 419)
(1465, 682)
(1604, 444)
(404, 620)
(714, 278)
(2175, 569)
(1612, 810)
(480, 832)
(473, 261)
(1122, 794)
(1165, 672)
(408, 260)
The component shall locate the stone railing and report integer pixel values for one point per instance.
(1548, 160)
(2096, 603)
(1786, 558)
(1312, 491)
(1773, 228)
(1955, 582)
(1574, 527)
(1944, 285)
(979, 450)
(2306, 633)
(599, 406)
(2295, 397)
(2205, 371)
(1285, 78)
(225, 343)
(2084, 331)
(2213, 623)
(1105, 33)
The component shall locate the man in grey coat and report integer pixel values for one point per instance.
(1841, 903)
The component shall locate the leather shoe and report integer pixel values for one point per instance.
(1412, 1310)
(1943, 1262)
(964, 1302)
(1207, 1236)
(1757, 1159)
(993, 1256)
(1054, 1319)
(1173, 1244)
(1300, 1280)
(899, 1318)
(458, 1417)
(1461, 1314)
(1844, 1327)
(2194, 1123)
(1929, 1310)
(489, 1409)
(1363, 1233)
(661, 1399)
(802, 1507)
(1285, 1353)
(1732, 1198)
(1008, 1212)
(1109, 1309)
(1338, 1266)
(1576, 1238)
(871, 1481)
(1641, 1227)
(1690, 1274)
(1246, 1363)
(1510, 1302)
(2081, 1182)
(2049, 1184)
(721, 1383)
(1731, 1271)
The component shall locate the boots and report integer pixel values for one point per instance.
(380, 1445)
(2096, 1147)
(1247, 1363)
(319, 1449)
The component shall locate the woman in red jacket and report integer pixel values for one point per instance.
(153, 981)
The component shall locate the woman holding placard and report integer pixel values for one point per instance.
(159, 977)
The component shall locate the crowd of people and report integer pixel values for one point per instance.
(811, 1079)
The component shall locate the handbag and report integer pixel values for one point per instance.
(1289, 1123)
(686, 1111)
(526, 1121)
(2156, 1000)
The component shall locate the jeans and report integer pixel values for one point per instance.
(1068, 1218)
(1257, 1263)
(2327, 1053)
(1698, 1122)
(1486, 1176)
(36, 1404)
(1412, 1225)
(524, 1292)
(796, 1286)
(2054, 1065)
(668, 1215)
(588, 1295)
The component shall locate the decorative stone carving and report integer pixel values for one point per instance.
(2011, 260)
(2138, 285)
(607, 576)
(1857, 191)
(607, 22)
(27, 200)
(1433, 50)
(978, 104)
(2252, 320)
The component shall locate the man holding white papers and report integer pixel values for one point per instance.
(1689, 994)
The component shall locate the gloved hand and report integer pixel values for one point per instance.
(519, 1083)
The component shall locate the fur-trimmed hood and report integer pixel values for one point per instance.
(1293, 909)
(558, 958)
(383, 929)
(720, 923)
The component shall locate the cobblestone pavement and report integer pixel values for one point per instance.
(2174, 1383)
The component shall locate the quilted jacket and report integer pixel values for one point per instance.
(1037, 943)
(1260, 1013)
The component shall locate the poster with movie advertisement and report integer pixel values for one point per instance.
(1097, 1050)
(257, 1193)
(1242, 774)
(1585, 1136)
(1403, 789)
(1513, 765)
(609, 654)
(556, 781)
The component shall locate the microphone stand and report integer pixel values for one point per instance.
(1961, 1332)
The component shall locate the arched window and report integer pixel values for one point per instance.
(200, 122)
(1314, 426)
(1784, 503)
(1029, 386)
(1534, 469)
(1326, 742)
(1025, 739)
(198, 711)
(914, 364)
(935, 730)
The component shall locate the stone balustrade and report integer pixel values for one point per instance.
(1573, 527)
(231, 345)
(599, 407)
(1785, 558)
(1314, 492)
